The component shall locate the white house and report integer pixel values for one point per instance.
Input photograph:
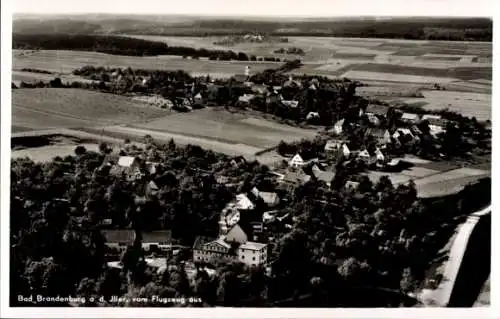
(410, 118)
(290, 103)
(128, 165)
(243, 202)
(339, 126)
(198, 99)
(296, 161)
(312, 115)
(270, 198)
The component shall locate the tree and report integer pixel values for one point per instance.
(80, 150)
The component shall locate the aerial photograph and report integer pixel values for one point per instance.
(186, 160)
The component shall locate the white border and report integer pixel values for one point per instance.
(7, 312)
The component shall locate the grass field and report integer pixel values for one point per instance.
(67, 61)
(468, 104)
(47, 153)
(226, 127)
(54, 108)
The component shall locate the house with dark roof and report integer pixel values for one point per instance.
(375, 109)
(156, 240)
(381, 136)
(128, 166)
(271, 199)
(325, 176)
(119, 239)
(292, 179)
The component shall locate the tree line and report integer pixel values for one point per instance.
(119, 45)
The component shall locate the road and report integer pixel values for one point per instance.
(441, 296)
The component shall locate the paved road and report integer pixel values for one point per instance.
(441, 295)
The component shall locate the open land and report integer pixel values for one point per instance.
(55, 108)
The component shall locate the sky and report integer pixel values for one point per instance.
(292, 8)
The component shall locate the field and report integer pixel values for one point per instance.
(468, 104)
(225, 127)
(54, 108)
(65, 62)
(433, 179)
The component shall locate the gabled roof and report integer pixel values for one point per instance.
(126, 236)
(268, 197)
(290, 103)
(152, 185)
(126, 161)
(351, 184)
(250, 245)
(410, 116)
(159, 236)
(297, 157)
(340, 123)
(376, 109)
(376, 132)
(364, 153)
(243, 202)
(333, 144)
(246, 97)
(202, 240)
(324, 176)
(198, 96)
(296, 177)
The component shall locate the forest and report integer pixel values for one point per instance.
(346, 246)
(119, 45)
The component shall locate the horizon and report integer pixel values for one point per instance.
(261, 8)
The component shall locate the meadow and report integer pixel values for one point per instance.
(55, 108)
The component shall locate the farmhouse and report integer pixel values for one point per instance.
(436, 123)
(339, 127)
(376, 109)
(155, 241)
(296, 161)
(382, 136)
(292, 179)
(324, 176)
(243, 202)
(128, 165)
(199, 99)
(290, 103)
(271, 199)
(312, 115)
(246, 98)
(410, 118)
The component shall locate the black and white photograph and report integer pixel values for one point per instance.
(247, 154)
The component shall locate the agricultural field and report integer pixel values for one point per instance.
(222, 126)
(54, 108)
(433, 179)
(468, 104)
(65, 62)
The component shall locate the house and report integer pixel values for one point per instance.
(119, 239)
(272, 98)
(403, 134)
(313, 87)
(151, 189)
(365, 156)
(232, 247)
(381, 136)
(333, 145)
(351, 185)
(410, 118)
(373, 119)
(246, 98)
(436, 123)
(290, 103)
(312, 115)
(269, 217)
(238, 161)
(375, 109)
(296, 161)
(324, 176)
(156, 241)
(199, 99)
(339, 127)
(292, 83)
(270, 198)
(128, 165)
(243, 202)
(292, 179)
(260, 89)
(152, 167)
(379, 156)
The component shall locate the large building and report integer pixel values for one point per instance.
(232, 246)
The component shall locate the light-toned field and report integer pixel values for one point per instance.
(405, 78)
(47, 153)
(468, 104)
(53, 108)
(67, 61)
(226, 127)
